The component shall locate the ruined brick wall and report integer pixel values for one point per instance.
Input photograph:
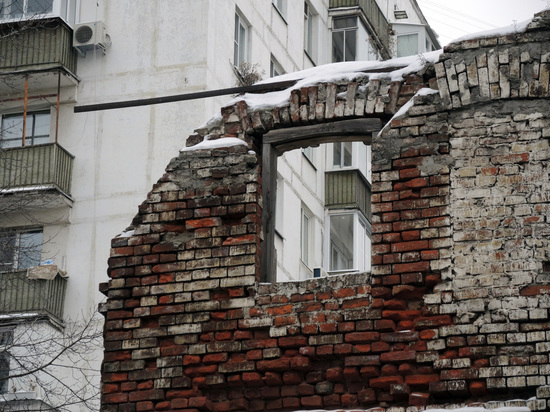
(456, 308)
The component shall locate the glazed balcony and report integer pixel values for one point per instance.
(348, 189)
(379, 26)
(40, 168)
(20, 295)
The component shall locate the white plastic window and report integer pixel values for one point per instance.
(407, 45)
(349, 242)
(37, 129)
(20, 250)
(240, 54)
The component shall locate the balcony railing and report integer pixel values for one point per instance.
(36, 45)
(46, 165)
(20, 295)
(374, 15)
(348, 188)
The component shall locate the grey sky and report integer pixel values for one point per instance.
(455, 18)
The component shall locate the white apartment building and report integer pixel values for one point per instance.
(70, 182)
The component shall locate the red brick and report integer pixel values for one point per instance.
(411, 267)
(478, 388)
(398, 356)
(312, 401)
(399, 315)
(253, 379)
(385, 382)
(409, 246)
(415, 380)
(362, 337)
(419, 399)
(412, 184)
(535, 290)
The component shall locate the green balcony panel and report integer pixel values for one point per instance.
(348, 189)
(37, 45)
(22, 295)
(46, 165)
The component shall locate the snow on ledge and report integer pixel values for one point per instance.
(214, 144)
(465, 409)
(405, 108)
(334, 72)
(514, 28)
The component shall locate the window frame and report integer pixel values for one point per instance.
(275, 69)
(6, 14)
(306, 220)
(359, 241)
(401, 36)
(310, 30)
(241, 40)
(346, 31)
(16, 263)
(29, 138)
(281, 6)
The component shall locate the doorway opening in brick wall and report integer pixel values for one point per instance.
(316, 187)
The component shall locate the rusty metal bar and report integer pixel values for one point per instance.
(38, 96)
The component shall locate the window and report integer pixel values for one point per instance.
(240, 54)
(6, 339)
(280, 201)
(275, 68)
(37, 129)
(407, 45)
(308, 153)
(349, 242)
(344, 39)
(304, 236)
(342, 154)
(309, 30)
(25, 9)
(20, 250)
(280, 5)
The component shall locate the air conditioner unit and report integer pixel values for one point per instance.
(90, 36)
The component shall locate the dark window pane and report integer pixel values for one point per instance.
(39, 7)
(30, 250)
(337, 46)
(351, 36)
(344, 23)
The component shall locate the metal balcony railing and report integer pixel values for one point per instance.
(375, 17)
(19, 295)
(37, 166)
(347, 188)
(36, 45)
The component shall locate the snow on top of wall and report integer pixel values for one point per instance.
(405, 108)
(330, 73)
(466, 409)
(216, 143)
(500, 31)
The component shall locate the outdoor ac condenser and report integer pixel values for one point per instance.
(90, 36)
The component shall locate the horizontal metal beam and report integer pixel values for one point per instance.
(257, 88)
